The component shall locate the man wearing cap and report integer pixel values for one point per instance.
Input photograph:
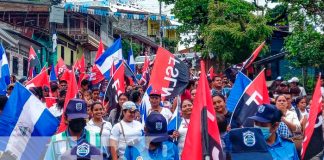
(155, 145)
(294, 83)
(267, 119)
(155, 100)
(76, 115)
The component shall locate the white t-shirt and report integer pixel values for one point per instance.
(166, 113)
(106, 131)
(183, 128)
(132, 130)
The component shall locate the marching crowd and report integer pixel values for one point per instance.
(97, 130)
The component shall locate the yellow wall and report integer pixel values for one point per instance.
(171, 34)
(152, 27)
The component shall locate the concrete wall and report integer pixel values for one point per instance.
(137, 27)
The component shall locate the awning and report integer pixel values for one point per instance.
(7, 38)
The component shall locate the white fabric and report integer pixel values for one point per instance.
(183, 128)
(302, 91)
(291, 116)
(322, 90)
(166, 113)
(106, 131)
(114, 58)
(32, 110)
(133, 130)
(56, 111)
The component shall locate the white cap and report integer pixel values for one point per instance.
(294, 79)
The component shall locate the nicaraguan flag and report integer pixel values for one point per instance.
(25, 125)
(131, 61)
(175, 121)
(145, 104)
(53, 75)
(241, 82)
(110, 56)
(5, 73)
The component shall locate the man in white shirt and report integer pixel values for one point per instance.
(294, 83)
(155, 100)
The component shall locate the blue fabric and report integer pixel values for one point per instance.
(283, 149)
(53, 75)
(284, 131)
(241, 82)
(5, 72)
(167, 151)
(131, 61)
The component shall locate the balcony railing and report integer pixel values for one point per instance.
(80, 34)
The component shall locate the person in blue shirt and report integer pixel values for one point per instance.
(267, 119)
(155, 145)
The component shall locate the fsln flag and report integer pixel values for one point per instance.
(131, 60)
(40, 80)
(112, 55)
(60, 67)
(241, 82)
(211, 72)
(254, 55)
(25, 128)
(53, 74)
(255, 94)
(96, 76)
(32, 62)
(116, 86)
(169, 74)
(193, 144)
(144, 81)
(72, 90)
(129, 73)
(313, 140)
(175, 120)
(145, 105)
(5, 72)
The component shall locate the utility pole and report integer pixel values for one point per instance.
(160, 26)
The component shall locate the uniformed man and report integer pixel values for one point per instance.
(75, 134)
(156, 144)
(267, 119)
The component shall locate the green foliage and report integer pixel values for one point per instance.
(305, 48)
(170, 45)
(126, 45)
(233, 32)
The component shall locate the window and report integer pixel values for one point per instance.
(62, 52)
(25, 66)
(72, 57)
(15, 65)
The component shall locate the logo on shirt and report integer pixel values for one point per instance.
(158, 126)
(261, 109)
(78, 106)
(139, 158)
(83, 150)
(249, 138)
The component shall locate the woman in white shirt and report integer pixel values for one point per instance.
(186, 109)
(125, 132)
(99, 125)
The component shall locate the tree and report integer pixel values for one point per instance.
(126, 45)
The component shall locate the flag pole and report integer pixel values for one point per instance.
(204, 133)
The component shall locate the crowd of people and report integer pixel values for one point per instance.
(117, 132)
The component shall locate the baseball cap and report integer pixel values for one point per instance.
(279, 78)
(267, 113)
(156, 126)
(84, 151)
(293, 79)
(155, 92)
(247, 143)
(76, 108)
(129, 105)
(284, 83)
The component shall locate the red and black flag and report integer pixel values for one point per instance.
(211, 73)
(40, 80)
(202, 139)
(145, 73)
(60, 67)
(255, 93)
(116, 86)
(254, 55)
(169, 74)
(313, 140)
(32, 62)
(96, 76)
(129, 74)
(79, 69)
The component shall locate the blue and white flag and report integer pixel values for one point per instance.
(241, 82)
(53, 74)
(145, 104)
(25, 125)
(175, 121)
(110, 56)
(5, 72)
(131, 61)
